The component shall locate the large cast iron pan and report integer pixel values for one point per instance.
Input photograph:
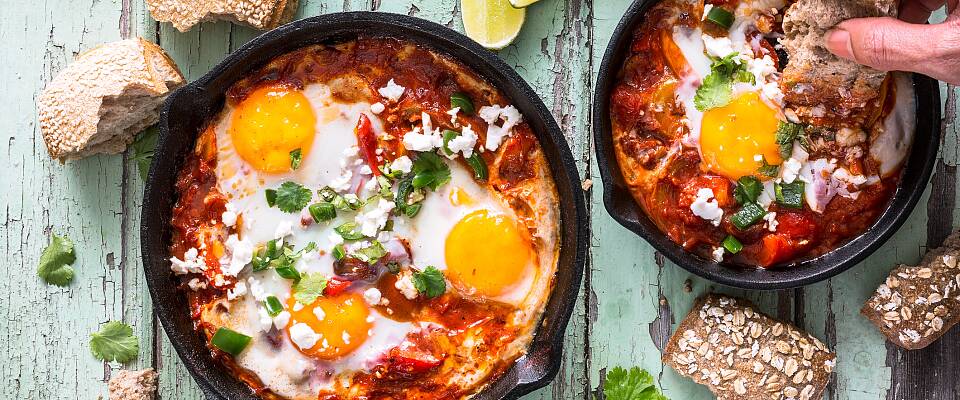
(620, 204)
(186, 111)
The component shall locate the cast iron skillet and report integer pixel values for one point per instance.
(186, 111)
(620, 204)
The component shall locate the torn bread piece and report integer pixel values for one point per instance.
(259, 14)
(918, 304)
(133, 385)
(818, 84)
(739, 353)
(98, 103)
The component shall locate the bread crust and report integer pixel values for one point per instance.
(133, 385)
(739, 353)
(105, 97)
(258, 14)
(817, 83)
(916, 305)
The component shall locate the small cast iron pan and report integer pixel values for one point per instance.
(620, 204)
(189, 108)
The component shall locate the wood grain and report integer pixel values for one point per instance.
(631, 298)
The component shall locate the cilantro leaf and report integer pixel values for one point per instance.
(717, 87)
(372, 253)
(292, 197)
(55, 262)
(767, 169)
(309, 288)
(114, 342)
(430, 282)
(429, 170)
(143, 148)
(637, 384)
(787, 133)
(296, 156)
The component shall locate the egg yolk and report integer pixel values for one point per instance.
(341, 322)
(269, 124)
(733, 136)
(488, 253)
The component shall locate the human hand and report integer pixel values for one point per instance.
(907, 44)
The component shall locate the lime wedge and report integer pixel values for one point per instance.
(492, 23)
(522, 3)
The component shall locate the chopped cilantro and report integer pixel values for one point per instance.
(296, 157)
(56, 260)
(291, 197)
(114, 342)
(747, 190)
(787, 133)
(372, 253)
(143, 148)
(429, 170)
(717, 87)
(637, 384)
(430, 282)
(349, 231)
(767, 169)
(309, 288)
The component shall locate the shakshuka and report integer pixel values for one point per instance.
(719, 161)
(369, 219)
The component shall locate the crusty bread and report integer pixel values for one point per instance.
(916, 305)
(739, 353)
(816, 77)
(105, 97)
(259, 14)
(133, 385)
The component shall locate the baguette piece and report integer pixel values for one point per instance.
(740, 353)
(918, 304)
(817, 83)
(133, 385)
(105, 97)
(259, 14)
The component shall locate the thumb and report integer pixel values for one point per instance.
(889, 44)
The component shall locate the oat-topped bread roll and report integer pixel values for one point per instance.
(259, 14)
(98, 103)
(740, 353)
(816, 82)
(918, 304)
(133, 385)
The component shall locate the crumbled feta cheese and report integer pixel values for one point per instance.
(392, 91)
(463, 143)
(453, 115)
(266, 322)
(365, 170)
(426, 122)
(281, 320)
(196, 284)
(706, 11)
(495, 134)
(705, 206)
(239, 289)
(372, 296)
(790, 170)
(241, 253)
(371, 186)
(374, 220)
(718, 254)
(843, 175)
(297, 306)
(758, 157)
(229, 217)
(768, 195)
(377, 108)
(335, 238)
(402, 164)
(416, 141)
(190, 263)
(303, 336)
(343, 182)
(405, 285)
(321, 315)
(284, 229)
(772, 222)
(717, 47)
(256, 289)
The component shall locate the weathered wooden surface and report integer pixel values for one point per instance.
(631, 297)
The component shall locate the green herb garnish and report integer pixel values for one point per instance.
(767, 169)
(339, 252)
(55, 262)
(721, 17)
(372, 253)
(114, 342)
(787, 133)
(143, 149)
(430, 282)
(348, 231)
(296, 156)
(448, 135)
(748, 190)
(291, 197)
(717, 87)
(430, 171)
(637, 384)
(479, 167)
(309, 288)
(462, 101)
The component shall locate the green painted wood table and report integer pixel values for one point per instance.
(630, 300)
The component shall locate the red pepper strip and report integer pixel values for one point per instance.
(335, 286)
(412, 361)
(367, 141)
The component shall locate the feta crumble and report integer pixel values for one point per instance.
(705, 206)
(392, 91)
(772, 222)
(239, 289)
(453, 115)
(416, 141)
(303, 336)
(241, 253)
(718, 254)
(463, 143)
(495, 134)
(317, 311)
(374, 220)
(281, 320)
(190, 263)
(372, 296)
(196, 284)
(402, 164)
(405, 285)
(229, 217)
(377, 108)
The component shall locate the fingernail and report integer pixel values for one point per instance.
(838, 42)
